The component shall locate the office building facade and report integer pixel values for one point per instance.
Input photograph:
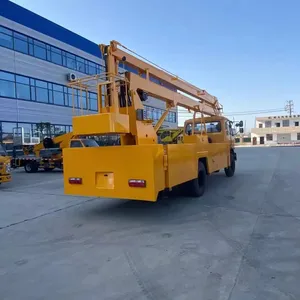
(36, 58)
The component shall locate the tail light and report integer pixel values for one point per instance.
(75, 180)
(137, 183)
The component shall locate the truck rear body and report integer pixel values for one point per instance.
(137, 172)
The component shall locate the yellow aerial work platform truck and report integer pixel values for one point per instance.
(140, 168)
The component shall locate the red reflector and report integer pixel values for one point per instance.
(75, 180)
(137, 183)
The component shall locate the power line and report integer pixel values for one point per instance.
(289, 107)
(242, 113)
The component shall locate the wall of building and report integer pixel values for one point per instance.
(277, 130)
(23, 31)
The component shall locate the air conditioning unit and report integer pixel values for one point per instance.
(72, 77)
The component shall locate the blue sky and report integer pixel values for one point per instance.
(245, 52)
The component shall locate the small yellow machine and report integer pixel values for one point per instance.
(5, 175)
(170, 136)
(140, 167)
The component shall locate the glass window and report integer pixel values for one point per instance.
(211, 127)
(75, 144)
(285, 123)
(41, 95)
(50, 92)
(298, 136)
(39, 50)
(80, 64)
(7, 89)
(268, 124)
(40, 83)
(59, 129)
(297, 123)
(73, 98)
(92, 68)
(5, 30)
(23, 91)
(22, 79)
(89, 143)
(20, 43)
(82, 99)
(260, 125)
(25, 125)
(56, 56)
(93, 101)
(7, 76)
(58, 87)
(30, 48)
(269, 137)
(71, 63)
(8, 127)
(32, 93)
(6, 39)
(58, 98)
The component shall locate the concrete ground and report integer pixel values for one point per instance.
(241, 240)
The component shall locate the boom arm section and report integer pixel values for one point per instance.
(152, 71)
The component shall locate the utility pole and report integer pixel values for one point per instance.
(289, 107)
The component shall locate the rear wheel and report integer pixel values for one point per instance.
(231, 169)
(30, 167)
(196, 187)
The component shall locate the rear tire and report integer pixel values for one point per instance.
(30, 167)
(231, 169)
(196, 187)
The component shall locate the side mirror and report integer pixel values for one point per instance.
(241, 130)
(239, 124)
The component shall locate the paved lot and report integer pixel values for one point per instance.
(241, 241)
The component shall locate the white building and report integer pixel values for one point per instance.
(276, 130)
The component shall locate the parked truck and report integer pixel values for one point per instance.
(5, 172)
(140, 168)
(47, 155)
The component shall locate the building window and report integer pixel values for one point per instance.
(268, 124)
(277, 124)
(285, 123)
(7, 85)
(22, 87)
(93, 101)
(56, 56)
(58, 95)
(27, 45)
(260, 125)
(269, 137)
(298, 136)
(39, 50)
(6, 39)
(297, 123)
(20, 43)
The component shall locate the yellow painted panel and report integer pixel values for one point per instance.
(182, 163)
(120, 164)
(100, 124)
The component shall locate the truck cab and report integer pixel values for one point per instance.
(5, 175)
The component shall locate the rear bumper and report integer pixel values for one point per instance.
(5, 178)
(106, 171)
